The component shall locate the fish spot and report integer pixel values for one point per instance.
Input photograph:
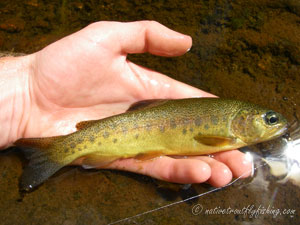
(73, 151)
(97, 129)
(148, 126)
(115, 140)
(80, 140)
(224, 118)
(186, 121)
(66, 150)
(191, 130)
(79, 149)
(198, 121)
(92, 138)
(214, 120)
(173, 124)
(206, 127)
(162, 128)
(72, 145)
(124, 130)
(184, 131)
(136, 136)
(113, 126)
(105, 134)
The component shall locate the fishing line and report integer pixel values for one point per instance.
(187, 199)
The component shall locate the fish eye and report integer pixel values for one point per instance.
(271, 118)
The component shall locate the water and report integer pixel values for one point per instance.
(245, 50)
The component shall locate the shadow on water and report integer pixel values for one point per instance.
(247, 50)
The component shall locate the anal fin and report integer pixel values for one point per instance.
(148, 155)
(97, 161)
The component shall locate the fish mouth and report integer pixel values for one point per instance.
(281, 131)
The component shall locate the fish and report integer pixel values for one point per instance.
(149, 129)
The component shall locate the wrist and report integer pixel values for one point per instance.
(14, 97)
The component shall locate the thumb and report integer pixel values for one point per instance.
(157, 85)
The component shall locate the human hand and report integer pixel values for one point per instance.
(86, 76)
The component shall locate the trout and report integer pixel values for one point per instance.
(153, 128)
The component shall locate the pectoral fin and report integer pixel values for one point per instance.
(214, 140)
(97, 161)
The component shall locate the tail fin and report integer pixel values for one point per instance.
(41, 165)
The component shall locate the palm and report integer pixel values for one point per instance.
(85, 73)
(87, 76)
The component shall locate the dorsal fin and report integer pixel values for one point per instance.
(84, 124)
(97, 161)
(149, 103)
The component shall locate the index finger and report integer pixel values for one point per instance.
(143, 36)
